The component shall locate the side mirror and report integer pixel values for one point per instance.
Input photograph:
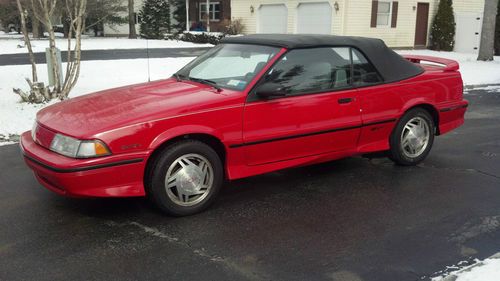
(270, 90)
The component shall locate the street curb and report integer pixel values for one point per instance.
(472, 87)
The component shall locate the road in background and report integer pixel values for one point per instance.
(18, 59)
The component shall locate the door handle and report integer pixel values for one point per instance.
(345, 100)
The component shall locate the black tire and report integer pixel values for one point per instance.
(396, 152)
(160, 166)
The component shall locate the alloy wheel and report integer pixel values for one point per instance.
(189, 179)
(415, 137)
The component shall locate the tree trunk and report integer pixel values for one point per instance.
(27, 41)
(486, 48)
(77, 26)
(36, 27)
(66, 23)
(497, 32)
(131, 20)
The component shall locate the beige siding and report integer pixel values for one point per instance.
(403, 35)
(468, 6)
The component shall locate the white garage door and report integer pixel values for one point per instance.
(272, 19)
(315, 18)
(467, 32)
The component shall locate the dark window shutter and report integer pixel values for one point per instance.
(394, 19)
(374, 14)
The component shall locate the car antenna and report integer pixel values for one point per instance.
(147, 53)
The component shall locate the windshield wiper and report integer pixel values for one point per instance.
(178, 76)
(207, 82)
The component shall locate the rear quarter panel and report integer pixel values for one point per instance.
(434, 88)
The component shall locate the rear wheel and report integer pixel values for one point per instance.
(412, 139)
(186, 178)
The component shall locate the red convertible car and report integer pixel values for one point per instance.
(251, 105)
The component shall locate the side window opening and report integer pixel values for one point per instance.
(364, 73)
(341, 71)
(308, 71)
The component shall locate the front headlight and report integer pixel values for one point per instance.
(75, 148)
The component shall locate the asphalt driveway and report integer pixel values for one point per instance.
(350, 220)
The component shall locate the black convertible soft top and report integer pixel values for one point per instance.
(389, 64)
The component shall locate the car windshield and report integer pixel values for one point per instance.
(230, 66)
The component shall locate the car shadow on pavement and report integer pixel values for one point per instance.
(235, 192)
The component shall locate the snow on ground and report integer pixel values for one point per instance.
(6, 143)
(16, 44)
(16, 117)
(473, 72)
(486, 270)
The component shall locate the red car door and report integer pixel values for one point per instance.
(318, 113)
(380, 104)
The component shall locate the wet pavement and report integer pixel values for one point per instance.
(351, 220)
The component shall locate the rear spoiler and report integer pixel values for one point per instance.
(449, 65)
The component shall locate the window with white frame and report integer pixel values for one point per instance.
(214, 11)
(384, 13)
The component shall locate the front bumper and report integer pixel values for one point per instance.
(110, 176)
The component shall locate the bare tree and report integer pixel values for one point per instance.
(132, 34)
(76, 14)
(35, 27)
(487, 46)
(100, 12)
(27, 41)
(43, 11)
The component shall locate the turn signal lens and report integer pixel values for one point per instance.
(92, 149)
(100, 149)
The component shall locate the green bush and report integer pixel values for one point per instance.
(443, 27)
(154, 19)
(198, 37)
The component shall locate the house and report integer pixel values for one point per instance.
(219, 15)
(403, 23)
(219, 11)
(123, 29)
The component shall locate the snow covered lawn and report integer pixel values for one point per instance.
(473, 72)
(16, 45)
(16, 117)
(487, 270)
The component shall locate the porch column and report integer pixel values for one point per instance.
(187, 15)
(208, 15)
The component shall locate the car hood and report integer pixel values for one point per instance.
(88, 115)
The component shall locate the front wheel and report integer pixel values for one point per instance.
(186, 178)
(412, 139)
